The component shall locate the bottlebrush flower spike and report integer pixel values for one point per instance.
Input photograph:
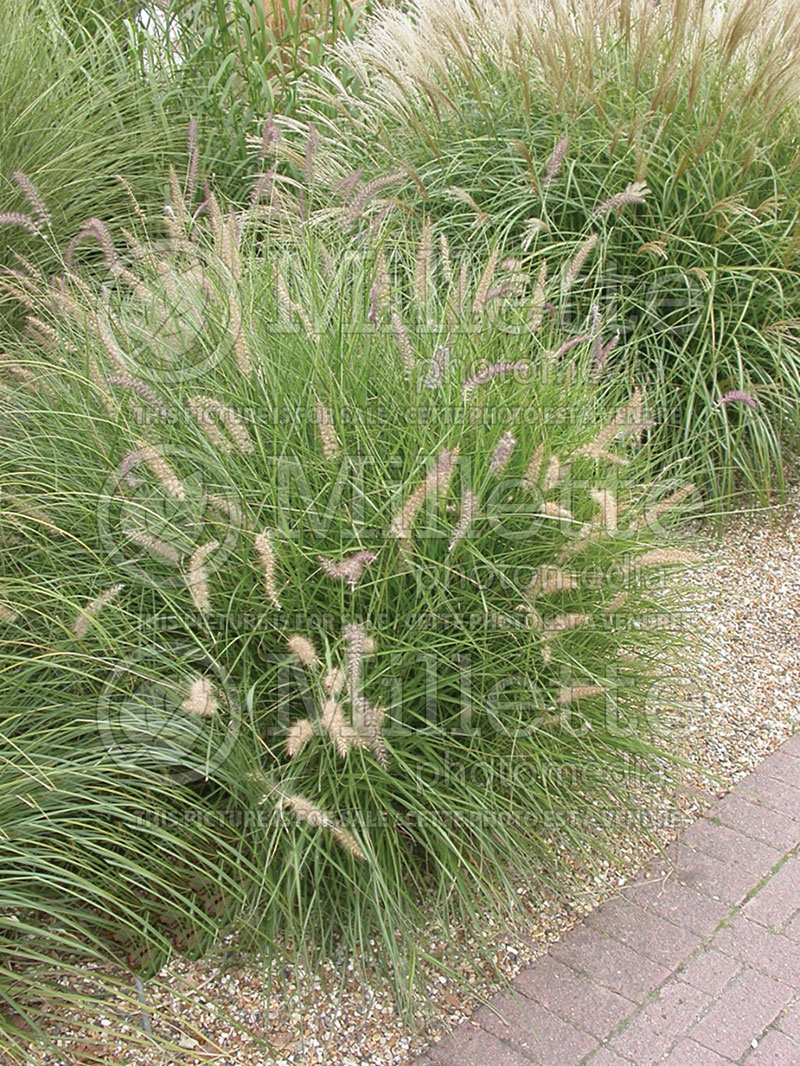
(493, 371)
(81, 624)
(201, 700)
(737, 396)
(634, 193)
(553, 165)
(349, 569)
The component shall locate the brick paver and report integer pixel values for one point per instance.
(695, 963)
(775, 1050)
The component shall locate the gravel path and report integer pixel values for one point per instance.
(744, 703)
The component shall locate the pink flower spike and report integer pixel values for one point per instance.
(737, 396)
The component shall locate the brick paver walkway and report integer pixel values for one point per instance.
(697, 963)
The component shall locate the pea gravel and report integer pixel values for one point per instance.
(742, 702)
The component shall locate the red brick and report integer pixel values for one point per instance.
(573, 996)
(660, 1023)
(775, 1050)
(772, 953)
(470, 1046)
(792, 929)
(687, 1053)
(536, 1032)
(792, 745)
(604, 1057)
(729, 846)
(710, 971)
(782, 766)
(666, 896)
(772, 792)
(789, 1020)
(747, 1006)
(724, 881)
(753, 818)
(609, 963)
(645, 932)
(779, 899)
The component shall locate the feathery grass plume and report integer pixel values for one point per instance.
(349, 569)
(333, 682)
(175, 211)
(194, 160)
(567, 346)
(652, 514)
(533, 227)
(575, 693)
(7, 614)
(437, 482)
(553, 165)
(303, 650)
(554, 510)
(438, 366)
(549, 579)
(501, 453)
(616, 602)
(290, 307)
(105, 334)
(241, 351)
(267, 557)
(737, 396)
(576, 264)
(536, 307)
(597, 333)
(469, 511)
(665, 557)
(628, 419)
(482, 289)
(354, 636)
(553, 474)
(229, 508)
(403, 343)
(533, 470)
(270, 134)
(306, 811)
(382, 276)
(370, 725)
(204, 408)
(581, 543)
(201, 700)
(482, 218)
(489, 372)
(126, 381)
(80, 626)
(607, 503)
(196, 577)
(422, 267)
(97, 230)
(601, 357)
(18, 218)
(297, 736)
(262, 186)
(327, 433)
(156, 547)
(33, 196)
(445, 258)
(342, 734)
(634, 193)
(347, 186)
(312, 143)
(365, 194)
(161, 470)
(46, 336)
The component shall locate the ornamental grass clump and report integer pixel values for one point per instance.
(298, 637)
(657, 142)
